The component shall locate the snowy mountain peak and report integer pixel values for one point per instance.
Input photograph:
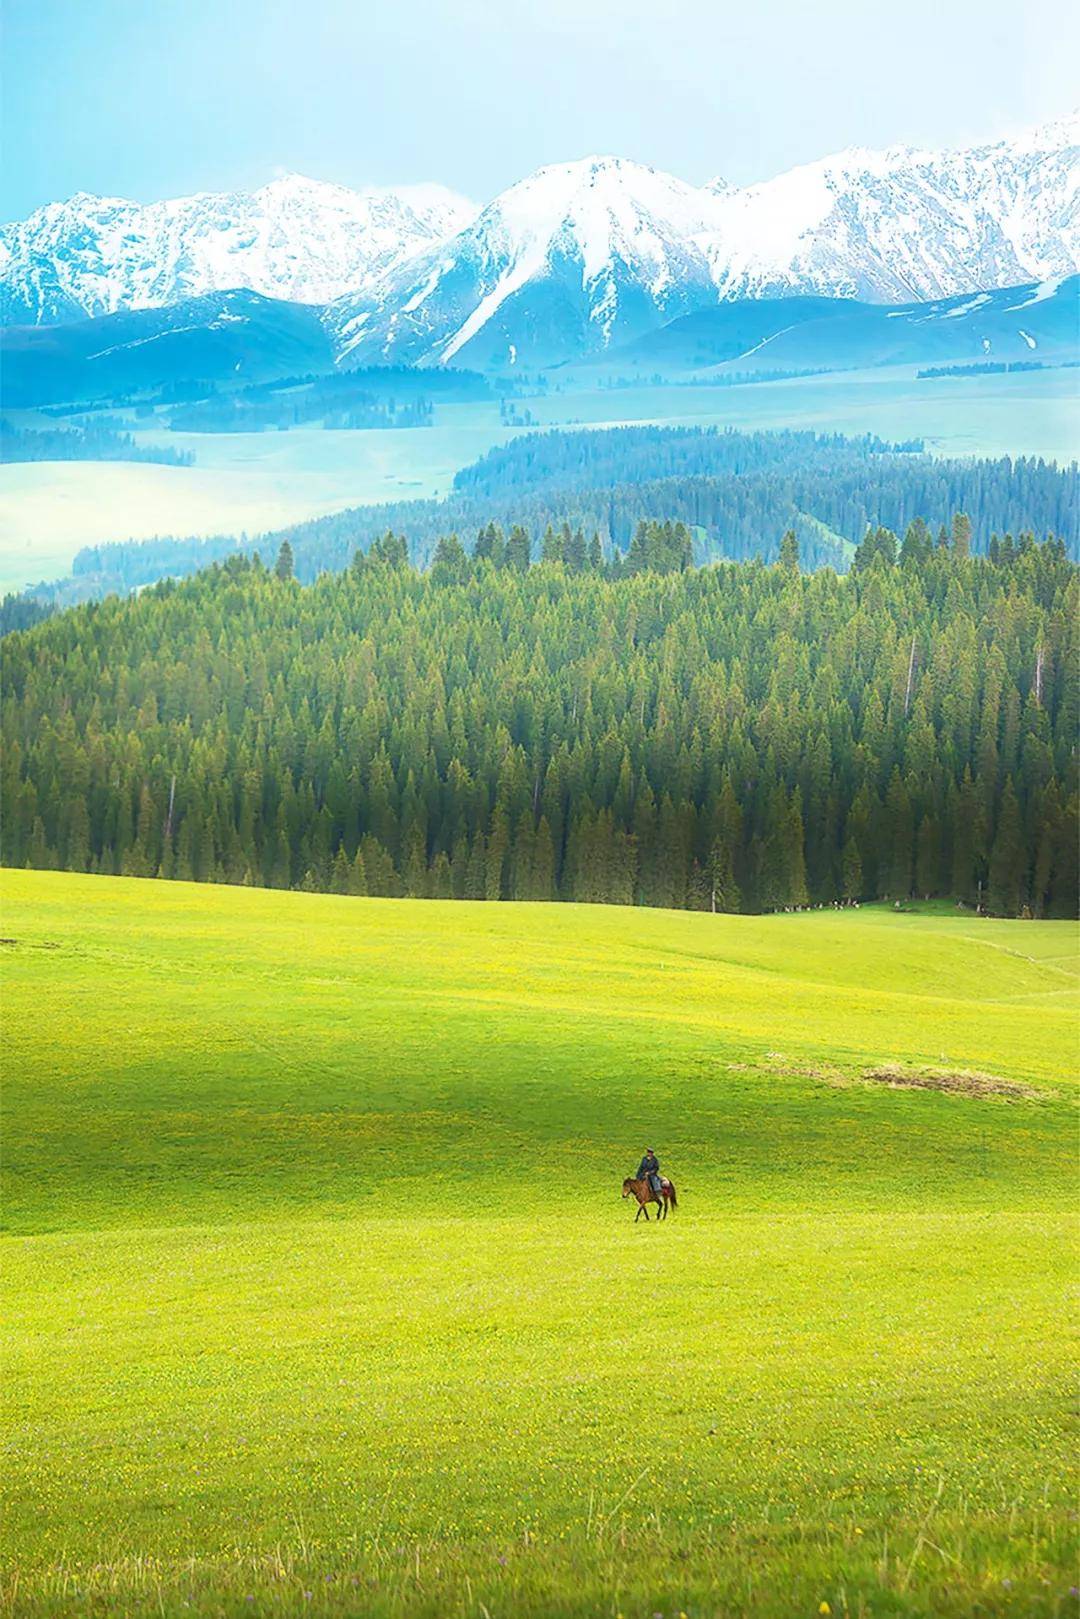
(606, 248)
(295, 238)
(905, 223)
(1056, 134)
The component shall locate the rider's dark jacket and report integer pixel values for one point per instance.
(650, 1165)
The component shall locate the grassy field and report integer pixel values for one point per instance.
(1022, 413)
(320, 1296)
(241, 482)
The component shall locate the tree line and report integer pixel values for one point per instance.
(736, 492)
(82, 441)
(733, 737)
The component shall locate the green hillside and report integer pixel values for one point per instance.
(321, 1297)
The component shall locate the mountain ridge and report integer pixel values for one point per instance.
(575, 259)
(523, 284)
(301, 240)
(241, 337)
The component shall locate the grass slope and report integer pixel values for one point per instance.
(320, 1296)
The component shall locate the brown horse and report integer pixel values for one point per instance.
(645, 1195)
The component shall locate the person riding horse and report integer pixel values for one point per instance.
(649, 1169)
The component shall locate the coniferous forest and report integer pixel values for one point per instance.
(740, 736)
(737, 492)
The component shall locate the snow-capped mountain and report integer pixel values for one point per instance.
(583, 256)
(904, 224)
(295, 238)
(574, 258)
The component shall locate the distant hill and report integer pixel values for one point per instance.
(1037, 321)
(243, 338)
(220, 337)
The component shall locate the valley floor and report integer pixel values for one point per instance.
(321, 1296)
(254, 482)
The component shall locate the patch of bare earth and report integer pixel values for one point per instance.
(957, 1082)
(829, 1075)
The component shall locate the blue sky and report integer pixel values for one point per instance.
(151, 98)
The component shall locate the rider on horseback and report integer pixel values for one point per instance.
(649, 1169)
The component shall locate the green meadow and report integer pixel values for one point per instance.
(320, 1296)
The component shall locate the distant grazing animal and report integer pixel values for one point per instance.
(645, 1195)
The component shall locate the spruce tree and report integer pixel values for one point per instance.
(284, 567)
(961, 534)
(1005, 886)
(357, 881)
(851, 871)
(789, 551)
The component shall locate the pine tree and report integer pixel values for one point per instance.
(517, 549)
(789, 551)
(551, 546)
(894, 881)
(1005, 888)
(575, 552)
(495, 859)
(918, 544)
(379, 870)
(928, 857)
(439, 885)
(340, 873)
(476, 875)
(961, 535)
(490, 545)
(284, 567)
(543, 881)
(450, 565)
(357, 881)
(851, 871)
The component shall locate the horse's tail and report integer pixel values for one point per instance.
(671, 1194)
